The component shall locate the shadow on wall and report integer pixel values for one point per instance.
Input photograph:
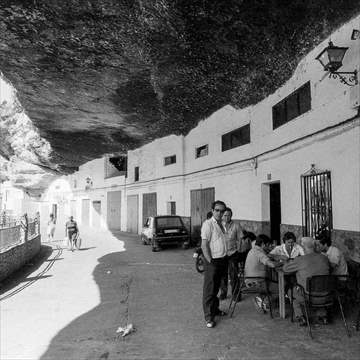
(88, 336)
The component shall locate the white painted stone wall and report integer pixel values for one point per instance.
(240, 175)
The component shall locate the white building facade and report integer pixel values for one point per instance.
(288, 163)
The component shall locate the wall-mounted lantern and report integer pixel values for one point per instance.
(331, 59)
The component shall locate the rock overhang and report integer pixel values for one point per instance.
(103, 77)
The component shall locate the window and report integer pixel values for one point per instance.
(201, 151)
(74, 183)
(170, 160)
(297, 103)
(235, 138)
(136, 173)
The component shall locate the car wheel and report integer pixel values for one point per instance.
(199, 264)
(143, 240)
(185, 245)
(154, 246)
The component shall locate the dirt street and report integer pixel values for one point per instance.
(68, 305)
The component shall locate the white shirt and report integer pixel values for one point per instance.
(337, 261)
(212, 233)
(233, 235)
(297, 250)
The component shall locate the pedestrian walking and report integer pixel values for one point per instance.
(71, 231)
(51, 225)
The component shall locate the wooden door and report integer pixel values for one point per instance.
(133, 214)
(149, 205)
(200, 203)
(96, 214)
(114, 210)
(85, 212)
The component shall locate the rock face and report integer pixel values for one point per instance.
(104, 76)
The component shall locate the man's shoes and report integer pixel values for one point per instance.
(323, 320)
(210, 324)
(258, 302)
(301, 321)
(220, 313)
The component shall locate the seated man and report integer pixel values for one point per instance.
(255, 266)
(336, 257)
(306, 266)
(289, 249)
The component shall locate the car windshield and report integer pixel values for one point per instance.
(169, 222)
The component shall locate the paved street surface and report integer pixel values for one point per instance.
(68, 305)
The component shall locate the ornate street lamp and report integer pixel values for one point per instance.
(331, 59)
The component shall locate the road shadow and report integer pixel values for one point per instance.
(88, 336)
(21, 275)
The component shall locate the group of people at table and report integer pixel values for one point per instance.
(226, 245)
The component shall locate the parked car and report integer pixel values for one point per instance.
(164, 229)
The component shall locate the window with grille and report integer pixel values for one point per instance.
(316, 203)
(201, 151)
(294, 105)
(168, 160)
(235, 138)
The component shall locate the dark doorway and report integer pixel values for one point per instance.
(275, 212)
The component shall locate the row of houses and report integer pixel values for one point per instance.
(290, 162)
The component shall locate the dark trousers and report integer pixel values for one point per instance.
(213, 273)
(232, 274)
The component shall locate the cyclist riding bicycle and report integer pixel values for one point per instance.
(71, 231)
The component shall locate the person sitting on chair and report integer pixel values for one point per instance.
(311, 264)
(336, 257)
(289, 249)
(255, 266)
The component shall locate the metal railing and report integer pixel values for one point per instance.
(18, 231)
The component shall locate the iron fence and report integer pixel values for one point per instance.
(18, 230)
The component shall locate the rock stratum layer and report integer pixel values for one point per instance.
(97, 77)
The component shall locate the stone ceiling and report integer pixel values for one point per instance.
(99, 77)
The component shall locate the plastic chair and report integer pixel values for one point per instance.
(243, 289)
(321, 292)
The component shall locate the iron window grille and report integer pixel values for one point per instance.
(316, 202)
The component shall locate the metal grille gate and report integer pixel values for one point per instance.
(316, 202)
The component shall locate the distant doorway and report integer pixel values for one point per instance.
(96, 215)
(275, 211)
(132, 214)
(114, 210)
(85, 212)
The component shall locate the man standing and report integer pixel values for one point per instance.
(213, 245)
(234, 243)
(306, 266)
